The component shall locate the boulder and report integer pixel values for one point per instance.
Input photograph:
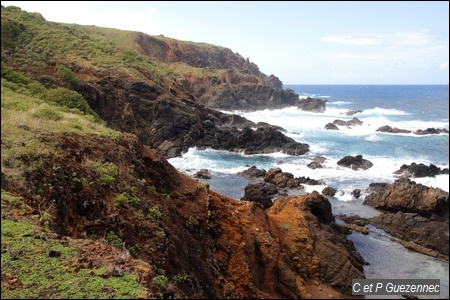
(355, 162)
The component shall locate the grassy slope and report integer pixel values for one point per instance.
(28, 271)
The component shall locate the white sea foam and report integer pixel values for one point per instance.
(388, 152)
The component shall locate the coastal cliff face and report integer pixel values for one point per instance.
(161, 92)
(223, 247)
(158, 88)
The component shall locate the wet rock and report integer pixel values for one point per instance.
(353, 122)
(413, 213)
(203, 173)
(431, 131)
(253, 172)
(355, 162)
(329, 191)
(331, 126)
(356, 193)
(261, 193)
(419, 170)
(389, 129)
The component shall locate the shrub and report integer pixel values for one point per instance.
(119, 199)
(71, 99)
(68, 76)
(114, 239)
(159, 282)
(154, 214)
(47, 113)
(107, 171)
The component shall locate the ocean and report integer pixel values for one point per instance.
(410, 107)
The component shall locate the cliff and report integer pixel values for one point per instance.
(89, 197)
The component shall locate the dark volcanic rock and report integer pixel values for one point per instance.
(315, 165)
(260, 193)
(355, 162)
(414, 213)
(356, 193)
(312, 104)
(253, 172)
(420, 170)
(329, 191)
(412, 227)
(430, 131)
(353, 111)
(203, 173)
(264, 124)
(174, 124)
(352, 122)
(376, 187)
(407, 196)
(281, 179)
(331, 126)
(390, 129)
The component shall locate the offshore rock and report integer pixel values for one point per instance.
(420, 170)
(355, 162)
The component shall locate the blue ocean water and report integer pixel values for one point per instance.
(409, 107)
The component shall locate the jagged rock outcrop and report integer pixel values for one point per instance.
(424, 235)
(154, 92)
(253, 172)
(240, 85)
(261, 193)
(329, 191)
(172, 125)
(431, 131)
(355, 162)
(414, 213)
(312, 104)
(353, 122)
(407, 196)
(389, 129)
(420, 170)
(334, 261)
(281, 179)
(226, 248)
(331, 126)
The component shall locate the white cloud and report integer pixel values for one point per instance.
(410, 38)
(350, 40)
(357, 56)
(415, 47)
(444, 66)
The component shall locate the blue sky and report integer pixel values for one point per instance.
(300, 42)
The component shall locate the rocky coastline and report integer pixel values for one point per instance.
(257, 247)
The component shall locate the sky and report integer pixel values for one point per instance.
(300, 42)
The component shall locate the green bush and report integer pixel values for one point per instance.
(159, 283)
(114, 239)
(119, 199)
(71, 99)
(48, 113)
(68, 76)
(12, 76)
(107, 171)
(154, 214)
